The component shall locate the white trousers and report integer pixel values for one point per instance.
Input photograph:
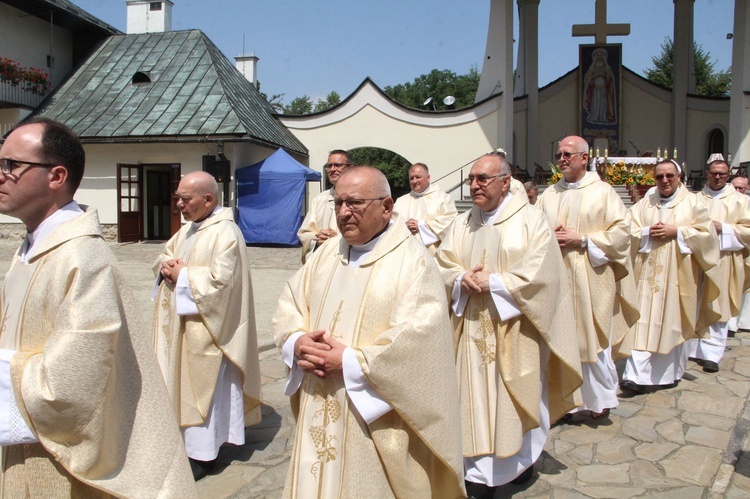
(646, 368)
(742, 321)
(599, 388)
(711, 348)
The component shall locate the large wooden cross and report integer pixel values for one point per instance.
(600, 29)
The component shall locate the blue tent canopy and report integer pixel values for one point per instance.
(269, 198)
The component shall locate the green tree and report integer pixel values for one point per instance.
(394, 167)
(275, 100)
(437, 84)
(708, 82)
(300, 105)
(331, 100)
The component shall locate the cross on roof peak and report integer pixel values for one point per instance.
(600, 29)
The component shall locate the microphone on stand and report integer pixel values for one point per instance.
(638, 151)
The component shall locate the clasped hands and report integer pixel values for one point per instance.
(170, 269)
(319, 353)
(413, 226)
(660, 230)
(475, 281)
(567, 238)
(324, 235)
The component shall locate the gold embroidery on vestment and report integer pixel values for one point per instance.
(330, 410)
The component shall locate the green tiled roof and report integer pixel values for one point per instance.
(193, 91)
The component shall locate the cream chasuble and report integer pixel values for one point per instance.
(498, 361)
(319, 216)
(733, 272)
(602, 303)
(190, 348)
(85, 378)
(675, 290)
(433, 206)
(392, 311)
(518, 190)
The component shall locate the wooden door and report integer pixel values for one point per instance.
(129, 203)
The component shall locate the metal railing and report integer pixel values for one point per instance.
(15, 95)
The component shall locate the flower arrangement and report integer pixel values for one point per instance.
(556, 175)
(32, 80)
(622, 174)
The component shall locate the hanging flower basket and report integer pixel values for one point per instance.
(32, 80)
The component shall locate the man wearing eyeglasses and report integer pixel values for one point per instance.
(364, 329)
(675, 251)
(83, 408)
(319, 224)
(517, 354)
(426, 210)
(589, 221)
(730, 213)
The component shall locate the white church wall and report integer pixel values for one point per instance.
(558, 116)
(646, 115)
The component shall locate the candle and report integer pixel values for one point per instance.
(606, 152)
(658, 153)
(591, 153)
(674, 156)
(597, 152)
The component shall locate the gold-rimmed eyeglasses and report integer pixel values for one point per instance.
(336, 166)
(356, 205)
(482, 180)
(567, 155)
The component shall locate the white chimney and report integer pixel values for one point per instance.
(247, 64)
(149, 16)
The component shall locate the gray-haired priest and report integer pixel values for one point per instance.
(364, 328)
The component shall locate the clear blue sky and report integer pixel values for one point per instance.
(310, 47)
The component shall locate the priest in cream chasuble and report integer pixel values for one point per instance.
(741, 322)
(319, 223)
(517, 353)
(381, 419)
(426, 210)
(204, 323)
(730, 213)
(589, 220)
(675, 251)
(83, 407)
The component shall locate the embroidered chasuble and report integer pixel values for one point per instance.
(84, 378)
(733, 271)
(433, 206)
(190, 348)
(392, 311)
(319, 216)
(499, 361)
(604, 294)
(675, 290)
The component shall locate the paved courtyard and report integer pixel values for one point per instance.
(683, 443)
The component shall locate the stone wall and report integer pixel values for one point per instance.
(18, 232)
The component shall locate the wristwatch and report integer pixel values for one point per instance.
(584, 241)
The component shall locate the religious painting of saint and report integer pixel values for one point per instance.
(600, 69)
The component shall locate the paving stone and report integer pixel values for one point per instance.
(614, 492)
(561, 447)
(739, 484)
(655, 451)
(710, 437)
(646, 474)
(274, 368)
(661, 399)
(721, 480)
(672, 430)
(740, 388)
(583, 454)
(229, 481)
(659, 413)
(742, 367)
(583, 434)
(720, 406)
(615, 451)
(700, 419)
(681, 493)
(604, 473)
(626, 409)
(693, 464)
(640, 428)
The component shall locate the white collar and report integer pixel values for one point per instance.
(715, 194)
(666, 201)
(196, 225)
(489, 217)
(35, 239)
(576, 184)
(358, 252)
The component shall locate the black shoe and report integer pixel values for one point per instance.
(479, 490)
(201, 468)
(710, 366)
(631, 386)
(525, 476)
(696, 360)
(566, 419)
(731, 334)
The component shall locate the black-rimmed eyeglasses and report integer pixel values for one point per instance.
(357, 205)
(8, 165)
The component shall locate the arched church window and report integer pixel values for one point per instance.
(715, 142)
